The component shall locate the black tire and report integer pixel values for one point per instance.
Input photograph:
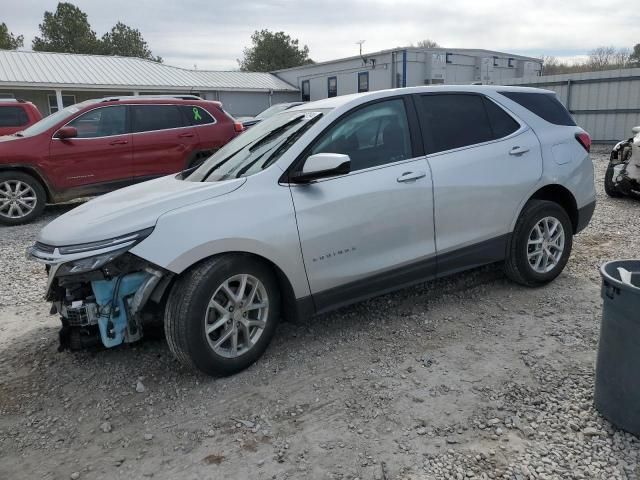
(187, 306)
(610, 187)
(517, 266)
(36, 186)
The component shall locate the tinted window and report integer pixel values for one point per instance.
(371, 136)
(502, 124)
(453, 121)
(147, 118)
(544, 105)
(13, 117)
(197, 115)
(306, 91)
(363, 82)
(101, 122)
(332, 87)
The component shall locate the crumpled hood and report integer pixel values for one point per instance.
(130, 209)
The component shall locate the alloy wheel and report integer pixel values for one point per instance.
(545, 244)
(236, 315)
(17, 199)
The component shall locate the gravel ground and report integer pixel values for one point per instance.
(468, 377)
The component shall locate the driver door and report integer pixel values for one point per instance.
(371, 230)
(100, 155)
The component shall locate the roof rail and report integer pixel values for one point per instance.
(129, 97)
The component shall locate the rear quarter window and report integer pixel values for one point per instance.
(544, 105)
(197, 115)
(13, 116)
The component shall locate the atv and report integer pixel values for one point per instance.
(623, 173)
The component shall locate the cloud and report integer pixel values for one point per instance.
(212, 34)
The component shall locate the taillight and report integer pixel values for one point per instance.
(585, 140)
(238, 127)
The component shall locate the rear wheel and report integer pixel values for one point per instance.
(540, 245)
(222, 314)
(22, 198)
(609, 185)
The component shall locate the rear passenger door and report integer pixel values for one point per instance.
(163, 140)
(484, 164)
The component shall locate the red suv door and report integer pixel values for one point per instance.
(162, 140)
(100, 154)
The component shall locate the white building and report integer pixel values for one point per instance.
(56, 80)
(406, 67)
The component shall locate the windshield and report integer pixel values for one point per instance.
(257, 148)
(50, 121)
(271, 111)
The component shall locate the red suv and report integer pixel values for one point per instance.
(97, 146)
(16, 115)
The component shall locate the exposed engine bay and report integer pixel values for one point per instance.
(102, 303)
(623, 173)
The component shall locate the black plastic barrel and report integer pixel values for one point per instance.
(617, 390)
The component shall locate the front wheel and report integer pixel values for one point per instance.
(222, 314)
(22, 198)
(609, 185)
(540, 244)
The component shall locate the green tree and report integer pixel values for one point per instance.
(8, 41)
(127, 42)
(634, 58)
(67, 30)
(273, 51)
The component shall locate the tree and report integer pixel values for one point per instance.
(601, 58)
(634, 58)
(273, 51)
(8, 41)
(428, 43)
(127, 42)
(67, 30)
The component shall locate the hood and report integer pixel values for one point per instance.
(130, 209)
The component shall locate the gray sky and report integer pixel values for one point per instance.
(211, 33)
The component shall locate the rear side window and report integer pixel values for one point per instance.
(149, 118)
(13, 117)
(197, 115)
(502, 124)
(544, 105)
(453, 121)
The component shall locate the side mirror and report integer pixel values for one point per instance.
(322, 165)
(66, 132)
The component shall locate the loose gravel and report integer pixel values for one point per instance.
(468, 377)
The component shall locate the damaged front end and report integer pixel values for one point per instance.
(101, 290)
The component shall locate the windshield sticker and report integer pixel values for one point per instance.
(196, 114)
(73, 109)
(310, 115)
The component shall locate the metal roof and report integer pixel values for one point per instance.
(66, 70)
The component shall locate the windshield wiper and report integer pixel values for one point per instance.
(276, 132)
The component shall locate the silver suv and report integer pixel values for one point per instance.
(322, 205)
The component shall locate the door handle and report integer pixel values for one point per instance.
(411, 176)
(185, 135)
(517, 151)
(118, 142)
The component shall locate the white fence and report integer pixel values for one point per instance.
(606, 104)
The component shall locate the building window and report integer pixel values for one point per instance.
(332, 86)
(67, 101)
(363, 82)
(496, 62)
(398, 80)
(306, 91)
(449, 57)
(511, 63)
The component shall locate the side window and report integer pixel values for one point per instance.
(363, 82)
(332, 87)
(502, 124)
(101, 122)
(13, 117)
(149, 118)
(453, 121)
(544, 105)
(373, 135)
(197, 115)
(306, 91)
